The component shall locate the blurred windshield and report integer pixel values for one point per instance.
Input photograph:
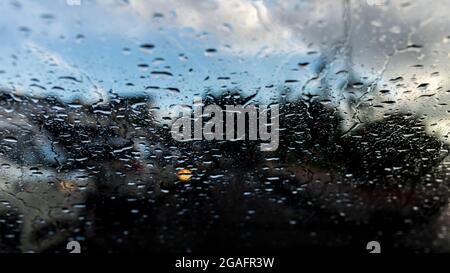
(90, 90)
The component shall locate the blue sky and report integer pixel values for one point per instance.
(98, 43)
(82, 52)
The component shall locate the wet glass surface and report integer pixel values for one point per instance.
(89, 90)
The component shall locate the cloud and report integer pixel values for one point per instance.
(393, 48)
(246, 26)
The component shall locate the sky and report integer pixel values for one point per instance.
(359, 56)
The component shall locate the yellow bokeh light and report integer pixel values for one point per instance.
(67, 187)
(184, 175)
